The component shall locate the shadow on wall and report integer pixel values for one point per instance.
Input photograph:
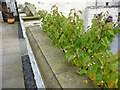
(115, 45)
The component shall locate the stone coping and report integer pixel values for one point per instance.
(29, 17)
(21, 12)
(30, 10)
(56, 72)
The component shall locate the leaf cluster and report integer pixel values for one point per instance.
(89, 50)
(27, 3)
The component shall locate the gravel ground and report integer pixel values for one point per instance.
(28, 73)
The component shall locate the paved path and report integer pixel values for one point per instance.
(12, 49)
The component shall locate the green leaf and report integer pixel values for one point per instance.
(82, 71)
(94, 68)
(107, 68)
(51, 41)
(71, 58)
(99, 76)
(80, 11)
(89, 51)
(86, 59)
(106, 40)
(102, 22)
(88, 26)
(68, 47)
(113, 68)
(111, 32)
(106, 77)
(71, 10)
(110, 25)
(101, 62)
(113, 77)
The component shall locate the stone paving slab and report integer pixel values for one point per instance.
(23, 46)
(12, 83)
(1, 61)
(71, 79)
(6, 71)
(12, 74)
(9, 59)
(1, 51)
(64, 72)
(11, 50)
(0, 73)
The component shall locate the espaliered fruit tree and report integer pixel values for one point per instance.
(89, 50)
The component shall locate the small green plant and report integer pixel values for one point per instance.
(27, 3)
(89, 50)
(42, 14)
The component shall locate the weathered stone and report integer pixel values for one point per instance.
(20, 11)
(48, 76)
(30, 10)
(39, 33)
(71, 79)
(21, 7)
(29, 18)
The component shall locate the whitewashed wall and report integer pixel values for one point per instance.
(90, 14)
(65, 6)
(101, 2)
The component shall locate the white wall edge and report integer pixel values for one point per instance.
(37, 75)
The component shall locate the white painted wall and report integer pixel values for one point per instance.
(101, 2)
(90, 14)
(65, 6)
